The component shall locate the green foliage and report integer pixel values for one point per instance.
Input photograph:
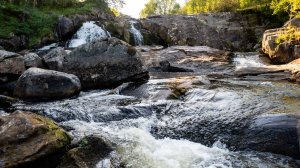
(292, 7)
(292, 34)
(158, 7)
(36, 18)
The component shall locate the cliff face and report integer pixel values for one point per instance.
(228, 31)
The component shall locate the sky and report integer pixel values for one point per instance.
(133, 7)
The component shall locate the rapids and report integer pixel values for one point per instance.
(177, 120)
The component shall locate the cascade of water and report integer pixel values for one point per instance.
(88, 32)
(246, 60)
(137, 35)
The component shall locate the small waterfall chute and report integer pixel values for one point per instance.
(248, 60)
(137, 35)
(88, 32)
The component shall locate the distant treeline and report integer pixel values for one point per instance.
(197, 6)
(61, 3)
(156, 7)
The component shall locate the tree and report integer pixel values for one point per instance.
(158, 7)
(292, 7)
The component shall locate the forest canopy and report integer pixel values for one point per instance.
(64, 3)
(292, 7)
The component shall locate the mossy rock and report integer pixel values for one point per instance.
(30, 140)
(89, 152)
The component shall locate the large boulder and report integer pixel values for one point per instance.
(11, 63)
(283, 52)
(36, 83)
(279, 50)
(277, 133)
(104, 63)
(30, 140)
(65, 28)
(230, 31)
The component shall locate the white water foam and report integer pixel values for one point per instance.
(248, 61)
(139, 149)
(88, 32)
(137, 35)
(48, 47)
(143, 150)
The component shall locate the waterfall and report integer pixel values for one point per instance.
(88, 32)
(137, 35)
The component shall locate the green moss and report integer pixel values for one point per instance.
(83, 143)
(55, 132)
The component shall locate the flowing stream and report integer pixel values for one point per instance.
(152, 128)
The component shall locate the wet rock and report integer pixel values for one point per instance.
(165, 66)
(65, 28)
(54, 59)
(15, 42)
(91, 151)
(286, 52)
(121, 28)
(30, 140)
(257, 71)
(231, 31)
(198, 59)
(273, 133)
(7, 88)
(180, 86)
(33, 60)
(11, 63)
(105, 63)
(36, 83)
(6, 101)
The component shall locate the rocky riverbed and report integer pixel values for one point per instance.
(109, 104)
(196, 112)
